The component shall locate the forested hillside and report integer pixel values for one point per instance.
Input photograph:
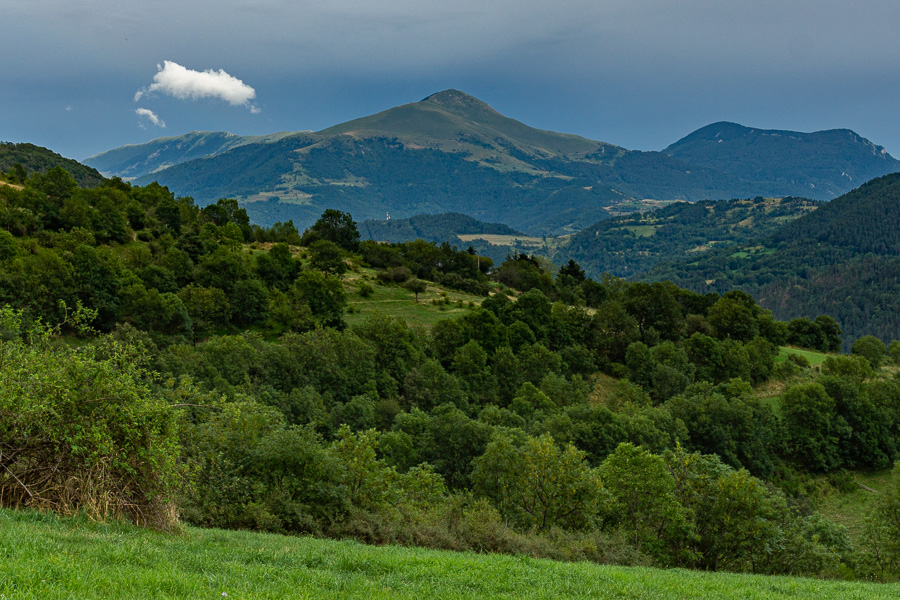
(37, 159)
(630, 245)
(161, 361)
(432, 228)
(840, 260)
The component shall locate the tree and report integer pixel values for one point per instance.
(643, 497)
(326, 256)
(871, 348)
(539, 485)
(277, 267)
(470, 365)
(734, 316)
(208, 308)
(831, 333)
(416, 286)
(249, 301)
(805, 333)
(573, 270)
(323, 295)
(336, 227)
(655, 310)
(429, 385)
(814, 430)
(641, 366)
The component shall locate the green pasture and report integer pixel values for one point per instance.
(815, 358)
(849, 508)
(48, 557)
(396, 301)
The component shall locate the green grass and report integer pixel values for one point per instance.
(815, 358)
(850, 508)
(502, 240)
(396, 301)
(47, 557)
(641, 230)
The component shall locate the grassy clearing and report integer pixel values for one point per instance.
(815, 358)
(502, 240)
(642, 230)
(396, 301)
(47, 557)
(850, 508)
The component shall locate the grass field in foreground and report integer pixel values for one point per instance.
(47, 557)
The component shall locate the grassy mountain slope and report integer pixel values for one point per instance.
(129, 162)
(45, 556)
(297, 177)
(630, 245)
(454, 121)
(448, 152)
(820, 165)
(40, 160)
(840, 260)
(451, 152)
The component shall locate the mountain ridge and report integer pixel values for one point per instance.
(820, 164)
(453, 152)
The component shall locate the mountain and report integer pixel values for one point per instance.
(449, 152)
(630, 245)
(820, 165)
(129, 162)
(37, 159)
(842, 259)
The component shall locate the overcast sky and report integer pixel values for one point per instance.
(84, 76)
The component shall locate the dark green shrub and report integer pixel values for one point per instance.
(83, 433)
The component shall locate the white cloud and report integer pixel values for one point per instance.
(187, 84)
(146, 113)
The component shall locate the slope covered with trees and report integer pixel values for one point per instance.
(36, 159)
(433, 228)
(607, 420)
(630, 245)
(840, 260)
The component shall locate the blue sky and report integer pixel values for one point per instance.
(84, 76)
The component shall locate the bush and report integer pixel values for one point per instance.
(83, 433)
(395, 275)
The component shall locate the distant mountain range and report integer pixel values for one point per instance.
(821, 165)
(133, 161)
(453, 153)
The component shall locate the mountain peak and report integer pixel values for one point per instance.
(459, 102)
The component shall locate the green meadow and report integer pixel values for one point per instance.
(814, 358)
(47, 557)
